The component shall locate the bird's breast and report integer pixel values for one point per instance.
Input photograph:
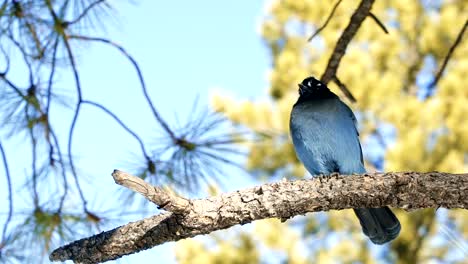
(325, 138)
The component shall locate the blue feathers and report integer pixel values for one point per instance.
(324, 134)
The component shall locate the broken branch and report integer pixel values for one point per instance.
(285, 199)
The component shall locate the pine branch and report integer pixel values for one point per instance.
(188, 218)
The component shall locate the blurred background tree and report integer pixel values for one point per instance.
(406, 124)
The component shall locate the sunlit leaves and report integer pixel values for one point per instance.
(221, 251)
(389, 76)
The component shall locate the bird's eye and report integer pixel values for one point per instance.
(319, 84)
(309, 84)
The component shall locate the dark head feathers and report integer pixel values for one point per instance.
(311, 88)
(310, 84)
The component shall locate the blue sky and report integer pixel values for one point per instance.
(185, 49)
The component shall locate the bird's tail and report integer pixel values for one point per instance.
(379, 224)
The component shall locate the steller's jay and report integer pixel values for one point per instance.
(326, 140)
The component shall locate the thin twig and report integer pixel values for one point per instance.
(326, 21)
(77, 108)
(7, 58)
(13, 86)
(51, 77)
(85, 12)
(34, 158)
(356, 20)
(51, 131)
(75, 118)
(376, 19)
(48, 125)
(344, 89)
(71, 58)
(158, 117)
(449, 54)
(122, 124)
(10, 194)
(25, 57)
(62, 164)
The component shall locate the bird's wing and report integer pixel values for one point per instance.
(353, 117)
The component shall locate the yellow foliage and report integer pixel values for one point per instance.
(460, 217)
(381, 71)
(192, 251)
(279, 236)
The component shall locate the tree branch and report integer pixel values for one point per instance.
(356, 20)
(156, 195)
(326, 21)
(379, 23)
(449, 54)
(156, 114)
(344, 89)
(283, 200)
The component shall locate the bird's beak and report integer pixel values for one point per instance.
(302, 88)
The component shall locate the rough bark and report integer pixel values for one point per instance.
(283, 200)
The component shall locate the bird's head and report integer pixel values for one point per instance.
(311, 85)
(311, 88)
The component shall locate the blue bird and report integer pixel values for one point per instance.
(326, 140)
